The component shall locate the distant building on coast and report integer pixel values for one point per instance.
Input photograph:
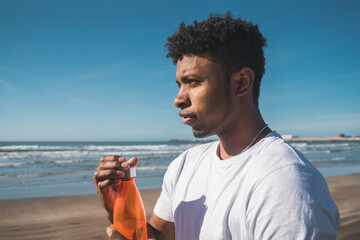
(339, 138)
(289, 136)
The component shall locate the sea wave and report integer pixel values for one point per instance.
(45, 154)
(32, 147)
(321, 144)
(12, 164)
(151, 168)
(73, 161)
(85, 153)
(34, 175)
(330, 159)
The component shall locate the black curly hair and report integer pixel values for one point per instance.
(233, 42)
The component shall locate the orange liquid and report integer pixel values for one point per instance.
(129, 214)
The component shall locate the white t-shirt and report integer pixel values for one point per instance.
(270, 191)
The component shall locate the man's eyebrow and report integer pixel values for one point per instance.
(186, 77)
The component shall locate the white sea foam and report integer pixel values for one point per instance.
(337, 158)
(330, 159)
(299, 145)
(12, 164)
(162, 147)
(46, 154)
(89, 150)
(44, 174)
(130, 147)
(74, 161)
(315, 151)
(312, 145)
(151, 168)
(32, 147)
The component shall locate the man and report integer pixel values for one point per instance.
(248, 185)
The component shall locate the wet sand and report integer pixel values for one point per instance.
(82, 217)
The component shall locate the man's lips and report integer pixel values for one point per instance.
(188, 118)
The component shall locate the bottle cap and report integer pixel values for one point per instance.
(131, 172)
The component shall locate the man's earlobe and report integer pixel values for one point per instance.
(244, 81)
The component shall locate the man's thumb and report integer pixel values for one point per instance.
(133, 160)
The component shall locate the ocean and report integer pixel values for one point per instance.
(47, 169)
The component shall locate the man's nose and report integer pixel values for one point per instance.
(182, 100)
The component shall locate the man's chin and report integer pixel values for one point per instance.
(201, 134)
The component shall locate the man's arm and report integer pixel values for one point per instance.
(157, 229)
(160, 229)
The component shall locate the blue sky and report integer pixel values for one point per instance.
(97, 71)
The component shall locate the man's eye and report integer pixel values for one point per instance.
(193, 82)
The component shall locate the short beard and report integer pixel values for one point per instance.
(201, 134)
(208, 133)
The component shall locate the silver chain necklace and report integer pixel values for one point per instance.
(252, 141)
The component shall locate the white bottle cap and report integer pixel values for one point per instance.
(131, 172)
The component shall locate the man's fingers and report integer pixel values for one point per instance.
(111, 165)
(110, 169)
(112, 158)
(108, 183)
(113, 234)
(101, 175)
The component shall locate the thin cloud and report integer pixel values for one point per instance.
(279, 57)
(7, 86)
(106, 72)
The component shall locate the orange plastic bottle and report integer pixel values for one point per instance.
(129, 214)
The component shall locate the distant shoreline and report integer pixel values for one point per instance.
(324, 139)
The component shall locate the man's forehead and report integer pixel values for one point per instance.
(194, 62)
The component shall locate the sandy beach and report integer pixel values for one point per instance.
(82, 217)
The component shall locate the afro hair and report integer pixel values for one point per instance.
(233, 42)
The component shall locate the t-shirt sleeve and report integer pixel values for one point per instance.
(292, 202)
(164, 205)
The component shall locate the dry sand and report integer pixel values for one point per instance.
(82, 217)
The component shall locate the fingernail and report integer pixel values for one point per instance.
(108, 231)
(120, 173)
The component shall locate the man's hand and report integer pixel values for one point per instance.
(107, 176)
(113, 234)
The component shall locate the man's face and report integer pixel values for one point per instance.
(203, 97)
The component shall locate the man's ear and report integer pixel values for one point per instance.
(243, 80)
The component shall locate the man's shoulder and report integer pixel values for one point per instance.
(282, 168)
(275, 154)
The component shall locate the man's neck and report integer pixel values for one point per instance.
(241, 135)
